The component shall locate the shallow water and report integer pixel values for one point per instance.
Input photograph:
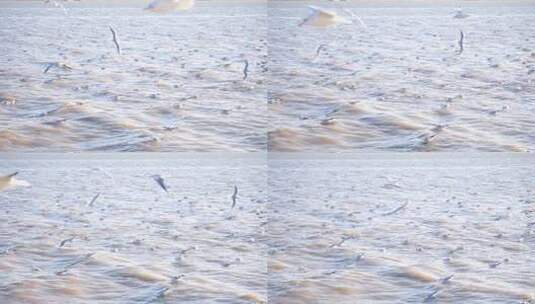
(391, 84)
(136, 243)
(177, 86)
(338, 231)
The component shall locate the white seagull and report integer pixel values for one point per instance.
(168, 6)
(322, 18)
(9, 181)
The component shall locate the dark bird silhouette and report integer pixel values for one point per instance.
(246, 70)
(114, 36)
(93, 200)
(65, 241)
(461, 41)
(234, 196)
(319, 49)
(158, 179)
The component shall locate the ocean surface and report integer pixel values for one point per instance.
(178, 84)
(134, 242)
(369, 228)
(399, 82)
(394, 80)
(434, 228)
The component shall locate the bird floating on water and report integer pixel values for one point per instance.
(323, 18)
(169, 6)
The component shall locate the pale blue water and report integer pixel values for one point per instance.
(177, 86)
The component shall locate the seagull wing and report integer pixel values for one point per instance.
(157, 4)
(9, 181)
(321, 12)
(20, 183)
(7, 178)
(234, 196)
(160, 181)
(168, 6)
(185, 4)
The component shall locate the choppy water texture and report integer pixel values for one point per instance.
(373, 229)
(396, 229)
(177, 86)
(134, 243)
(400, 84)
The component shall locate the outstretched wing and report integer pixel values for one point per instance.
(9, 181)
(7, 178)
(321, 12)
(152, 5)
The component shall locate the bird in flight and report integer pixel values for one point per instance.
(9, 181)
(323, 18)
(234, 196)
(158, 179)
(168, 6)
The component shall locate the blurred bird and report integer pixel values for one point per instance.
(59, 65)
(58, 4)
(234, 196)
(168, 6)
(9, 181)
(158, 179)
(322, 18)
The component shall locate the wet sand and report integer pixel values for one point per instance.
(398, 228)
(134, 243)
(399, 83)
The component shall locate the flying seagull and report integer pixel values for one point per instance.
(90, 204)
(57, 4)
(234, 196)
(245, 70)
(66, 241)
(318, 50)
(356, 17)
(461, 40)
(58, 65)
(160, 182)
(322, 18)
(168, 6)
(115, 41)
(9, 181)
